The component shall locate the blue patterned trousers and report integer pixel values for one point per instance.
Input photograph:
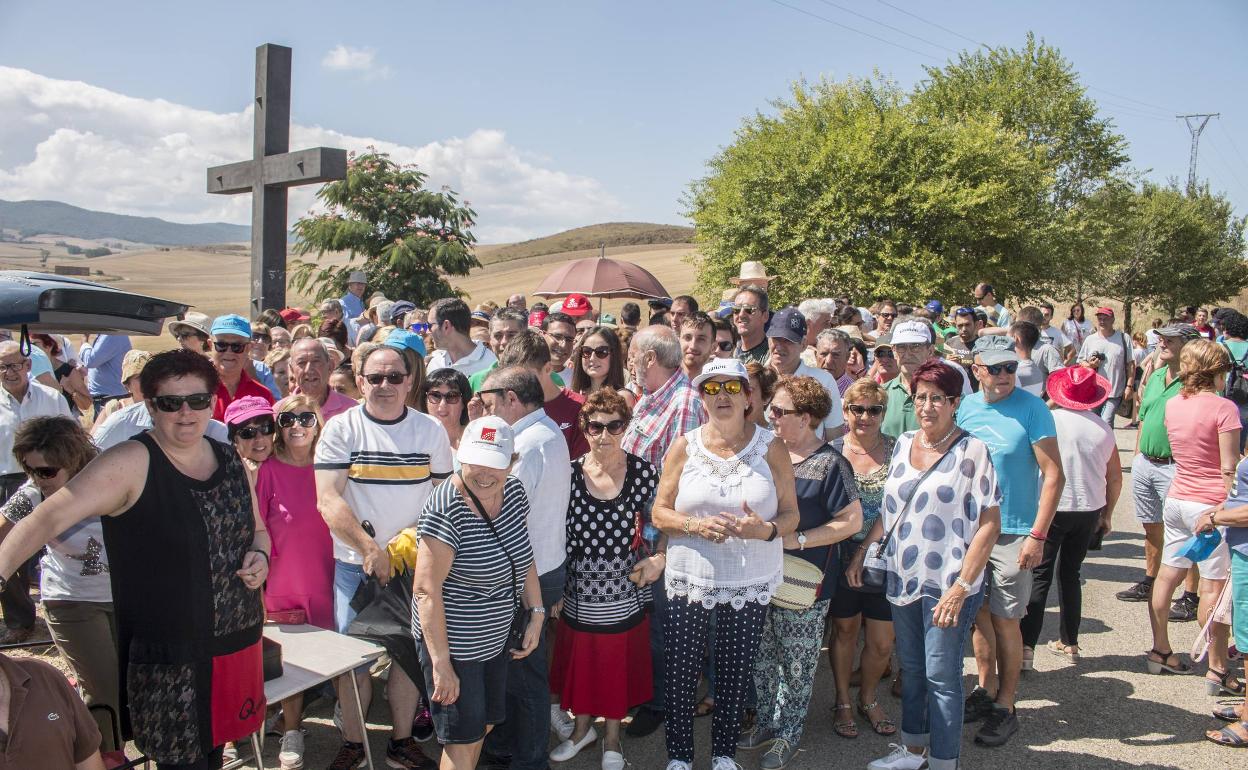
(784, 669)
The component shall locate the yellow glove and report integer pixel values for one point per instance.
(402, 551)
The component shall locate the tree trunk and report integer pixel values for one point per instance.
(1126, 316)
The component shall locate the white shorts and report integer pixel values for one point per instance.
(1179, 517)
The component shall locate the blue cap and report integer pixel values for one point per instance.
(400, 339)
(400, 308)
(934, 306)
(231, 324)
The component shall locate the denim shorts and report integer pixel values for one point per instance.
(482, 697)
(1150, 482)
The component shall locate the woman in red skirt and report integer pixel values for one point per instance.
(602, 649)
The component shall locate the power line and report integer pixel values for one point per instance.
(1166, 110)
(888, 26)
(934, 24)
(885, 41)
(1222, 125)
(1218, 154)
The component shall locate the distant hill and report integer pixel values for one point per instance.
(589, 237)
(56, 218)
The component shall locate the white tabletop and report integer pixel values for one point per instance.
(312, 655)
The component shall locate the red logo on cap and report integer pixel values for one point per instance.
(488, 434)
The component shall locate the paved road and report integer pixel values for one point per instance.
(1105, 712)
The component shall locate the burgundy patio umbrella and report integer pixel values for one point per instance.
(602, 277)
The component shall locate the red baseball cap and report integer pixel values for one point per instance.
(1104, 311)
(576, 305)
(293, 315)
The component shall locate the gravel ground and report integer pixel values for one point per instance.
(1105, 712)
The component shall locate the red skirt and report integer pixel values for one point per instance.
(604, 675)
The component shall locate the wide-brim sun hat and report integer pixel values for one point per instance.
(487, 441)
(191, 322)
(722, 367)
(1077, 387)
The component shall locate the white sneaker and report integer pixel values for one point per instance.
(724, 763)
(291, 753)
(677, 764)
(560, 722)
(566, 750)
(613, 760)
(229, 753)
(900, 759)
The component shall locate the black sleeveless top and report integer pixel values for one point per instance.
(182, 612)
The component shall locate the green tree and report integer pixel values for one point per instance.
(847, 189)
(407, 238)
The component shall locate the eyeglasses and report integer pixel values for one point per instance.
(744, 309)
(233, 347)
(600, 352)
(885, 354)
(995, 369)
(615, 427)
(196, 401)
(933, 399)
(858, 410)
(419, 328)
(265, 428)
(724, 345)
(731, 387)
(449, 397)
(180, 336)
(259, 338)
(394, 378)
(6, 368)
(44, 472)
(777, 412)
(887, 315)
(288, 419)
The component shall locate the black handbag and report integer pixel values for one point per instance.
(519, 615)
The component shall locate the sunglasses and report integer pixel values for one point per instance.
(995, 369)
(196, 401)
(265, 428)
(886, 354)
(731, 387)
(419, 328)
(615, 427)
(438, 397)
(724, 345)
(744, 309)
(887, 315)
(858, 410)
(599, 352)
(260, 338)
(233, 347)
(777, 412)
(288, 419)
(180, 336)
(394, 378)
(964, 311)
(43, 472)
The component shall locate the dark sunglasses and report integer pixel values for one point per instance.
(259, 338)
(438, 397)
(419, 328)
(964, 311)
(887, 315)
(744, 309)
(196, 401)
(777, 412)
(858, 410)
(233, 347)
(885, 354)
(43, 472)
(615, 427)
(288, 419)
(995, 369)
(394, 378)
(731, 387)
(187, 336)
(724, 345)
(265, 428)
(601, 352)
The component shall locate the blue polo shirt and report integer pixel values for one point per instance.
(1010, 427)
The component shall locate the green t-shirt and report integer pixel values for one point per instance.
(899, 409)
(475, 380)
(1153, 439)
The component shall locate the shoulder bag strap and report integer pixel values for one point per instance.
(905, 506)
(493, 531)
(1128, 361)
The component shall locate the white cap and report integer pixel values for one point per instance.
(911, 332)
(722, 367)
(487, 441)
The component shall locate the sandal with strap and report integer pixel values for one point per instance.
(845, 727)
(705, 708)
(1068, 651)
(884, 726)
(1226, 683)
(1158, 666)
(1227, 713)
(1227, 737)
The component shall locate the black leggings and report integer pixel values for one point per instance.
(212, 761)
(735, 643)
(1064, 551)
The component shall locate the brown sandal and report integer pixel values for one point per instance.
(705, 708)
(884, 726)
(845, 727)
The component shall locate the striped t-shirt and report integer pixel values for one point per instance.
(390, 468)
(478, 595)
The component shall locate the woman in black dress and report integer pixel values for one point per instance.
(187, 556)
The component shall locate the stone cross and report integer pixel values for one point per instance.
(271, 170)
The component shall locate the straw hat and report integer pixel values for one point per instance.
(752, 272)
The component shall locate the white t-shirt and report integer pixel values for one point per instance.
(544, 467)
(480, 359)
(836, 417)
(1086, 443)
(1055, 337)
(391, 468)
(39, 401)
(75, 567)
(129, 421)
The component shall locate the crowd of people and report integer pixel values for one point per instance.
(636, 521)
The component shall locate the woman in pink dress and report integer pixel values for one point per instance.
(301, 576)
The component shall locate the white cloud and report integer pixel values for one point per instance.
(91, 147)
(345, 58)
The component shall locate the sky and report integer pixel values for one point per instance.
(547, 115)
